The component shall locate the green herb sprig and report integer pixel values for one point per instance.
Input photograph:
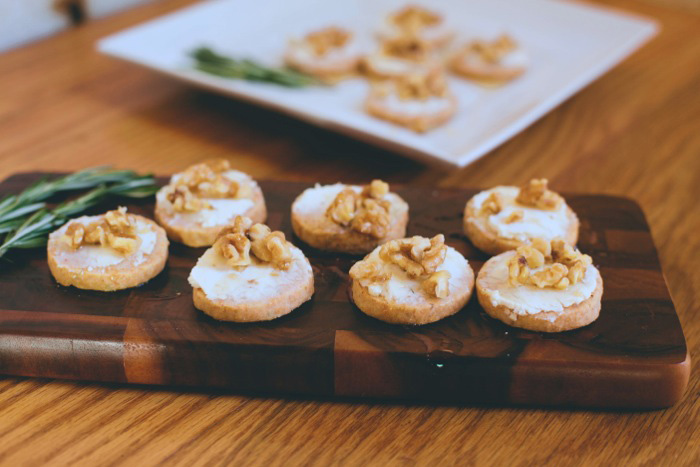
(26, 221)
(208, 61)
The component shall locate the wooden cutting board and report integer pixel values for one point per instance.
(634, 355)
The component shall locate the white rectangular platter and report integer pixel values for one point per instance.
(569, 44)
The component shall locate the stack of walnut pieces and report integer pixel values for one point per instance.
(115, 230)
(366, 212)
(547, 265)
(235, 244)
(534, 194)
(417, 256)
(188, 192)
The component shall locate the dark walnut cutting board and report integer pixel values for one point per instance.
(634, 355)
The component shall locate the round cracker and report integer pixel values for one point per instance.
(421, 123)
(262, 310)
(431, 309)
(120, 276)
(572, 317)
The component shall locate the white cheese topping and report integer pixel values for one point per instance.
(302, 53)
(517, 58)
(429, 106)
(529, 299)
(535, 222)
(93, 257)
(386, 65)
(256, 282)
(400, 288)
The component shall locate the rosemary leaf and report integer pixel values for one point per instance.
(208, 61)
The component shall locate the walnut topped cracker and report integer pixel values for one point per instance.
(417, 256)
(414, 280)
(114, 229)
(366, 212)
(236, 243)
(543, 264)
(536, 194)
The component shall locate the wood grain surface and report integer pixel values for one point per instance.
(632, 133)
(633, 356)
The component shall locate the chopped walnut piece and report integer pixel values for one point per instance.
(494, 51)
(369, 271)
(326, 39)
(514, 216)
(366, 212)
(236, 242)
(377, 189)
(543, 264)
(183, 200)
(371, 217)
(270, 247)
(342, 209)
(416, 255)
(551, 276)
(114, 229)
(536, 194)
(207, 180)
(412, 19)
(74, 235)
(234, 248)
(437, 284)
(492, 205)
(533, 256)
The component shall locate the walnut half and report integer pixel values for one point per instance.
(536, 194)
(437, 284)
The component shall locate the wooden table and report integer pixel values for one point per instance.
(635, 132)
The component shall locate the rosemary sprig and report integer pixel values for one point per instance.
(208, 61)
(27, 222)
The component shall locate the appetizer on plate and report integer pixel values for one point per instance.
(205, 198)
(418, 102)
(414, 20)
(251, 274)
(546, 286)
(349, 218)
(491, 62)
(329, 54)
(506, 217)
(412, 281)
(112, 251)
(401, 56)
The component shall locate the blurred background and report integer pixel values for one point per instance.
(23, 21)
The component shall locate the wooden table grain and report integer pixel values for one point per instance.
(635, 132)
